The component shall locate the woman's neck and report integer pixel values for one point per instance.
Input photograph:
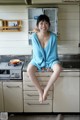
(44, 34)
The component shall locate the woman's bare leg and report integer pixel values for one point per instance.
(31, 72)
(53, 78)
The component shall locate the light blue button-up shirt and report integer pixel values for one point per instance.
(44, 57)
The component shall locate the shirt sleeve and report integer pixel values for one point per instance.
(38, 54)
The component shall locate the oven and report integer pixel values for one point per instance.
(10, 72)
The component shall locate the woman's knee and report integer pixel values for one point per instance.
(57, 68)
(31, 69)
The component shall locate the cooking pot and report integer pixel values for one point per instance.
(15, 61)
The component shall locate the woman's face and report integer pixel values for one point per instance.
(43, 26)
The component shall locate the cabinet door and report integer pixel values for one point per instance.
(45, 1)
(66, 95)
(34, 95)
(13, 96)
(1, 98)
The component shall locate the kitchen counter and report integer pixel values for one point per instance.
(64, 69)
(71, 70)
(69, 62)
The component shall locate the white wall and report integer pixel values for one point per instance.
(14, 42)
(17, 42)
(68, 29)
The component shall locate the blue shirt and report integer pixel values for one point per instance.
(47, 56)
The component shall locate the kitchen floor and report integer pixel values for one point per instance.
(42, 117)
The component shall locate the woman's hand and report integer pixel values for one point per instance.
(36, 30)
(46, 69)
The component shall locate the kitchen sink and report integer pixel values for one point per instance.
(70, 61)
(70, 64)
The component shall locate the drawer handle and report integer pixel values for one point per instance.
(34, 95)
(33, 85)
(31, 95)
(13, 86)
(38, 104)
(30, 85)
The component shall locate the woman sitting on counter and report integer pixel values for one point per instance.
(45, 56)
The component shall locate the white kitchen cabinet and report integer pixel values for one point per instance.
(33, 14)
(13, 96)
(66, 93)
(31, 97)
(63, 96)
(45, 1)
(1, 98)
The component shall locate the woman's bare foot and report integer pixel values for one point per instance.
(41, 97)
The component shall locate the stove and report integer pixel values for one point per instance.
(11, 72)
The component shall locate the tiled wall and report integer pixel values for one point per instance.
(16, 43)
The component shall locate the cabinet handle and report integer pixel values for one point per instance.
(34, 86)
(13, 86)
(31, 95)
(37, 104)
(34, 95)
(30, 85)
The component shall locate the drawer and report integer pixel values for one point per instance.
(47, 74)
(43, 74)
(34, 95)
(30, 86)
(70, 74)
(35, 106)
(40, 77)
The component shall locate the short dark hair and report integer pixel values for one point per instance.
(43, 18)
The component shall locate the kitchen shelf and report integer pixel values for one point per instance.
(11, 26)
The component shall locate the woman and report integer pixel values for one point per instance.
(44, 55)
